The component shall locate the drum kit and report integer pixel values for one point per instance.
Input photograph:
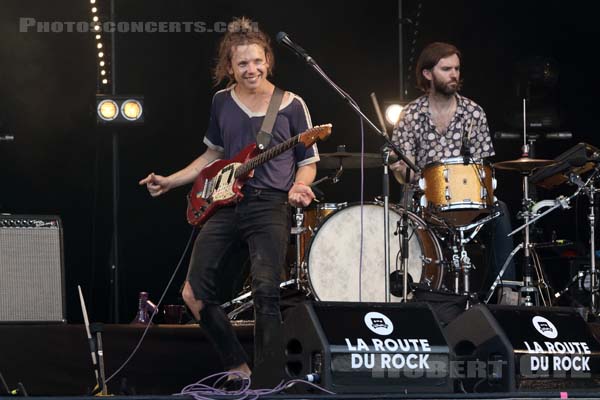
(344, 252)
(340, 253)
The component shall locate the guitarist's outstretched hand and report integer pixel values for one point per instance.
(156, 184)
(300, 195)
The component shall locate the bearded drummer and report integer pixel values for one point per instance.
(442, 124)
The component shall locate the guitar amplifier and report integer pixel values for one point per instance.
(31, 269)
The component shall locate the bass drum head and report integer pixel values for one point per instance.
(333, 261)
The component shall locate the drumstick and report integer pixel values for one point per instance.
(470, 129)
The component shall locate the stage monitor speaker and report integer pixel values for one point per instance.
(517, 348)
(361, 348)
(31, 269)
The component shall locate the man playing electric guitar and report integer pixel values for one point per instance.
(262, 217)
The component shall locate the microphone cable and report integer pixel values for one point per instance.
(134, 351)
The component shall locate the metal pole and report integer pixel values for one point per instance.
(401, 49)
(593, 277)
(386, 222)
(115, 178)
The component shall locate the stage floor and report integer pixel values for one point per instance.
(55, 361)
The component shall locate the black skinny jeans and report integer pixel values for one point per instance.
(262, 220)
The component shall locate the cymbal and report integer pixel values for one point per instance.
(348, 160)
(523, 164)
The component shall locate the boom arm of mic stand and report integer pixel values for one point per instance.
(310, 61)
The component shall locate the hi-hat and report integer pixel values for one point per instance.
(523, 164)
(349, 160)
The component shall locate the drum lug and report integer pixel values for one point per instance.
(447, 193)
(483, 193)
(482, 173)
(423, 201)
(446, 174)
(422, 184)
(494, 183)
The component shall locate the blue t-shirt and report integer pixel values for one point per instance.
(233, 126)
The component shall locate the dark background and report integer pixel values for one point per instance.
(60, 163)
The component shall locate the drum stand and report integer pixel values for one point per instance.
(461, 262)
(297, 231)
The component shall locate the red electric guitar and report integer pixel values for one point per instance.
(219, 184)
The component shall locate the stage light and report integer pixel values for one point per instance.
(131, 110)
(101, 54)
(98, 37)
(103, 72)
(120, 110)
(102, 63)
(105, 81)
(97, 27)
(108, 110)
(95, 19)
(99, 45)
(392, 113)
(94, 10)
(93, 1)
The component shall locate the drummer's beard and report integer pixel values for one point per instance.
(447, 89)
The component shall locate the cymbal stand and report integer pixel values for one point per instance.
(563, 202)
(528, 290)
(590, 190)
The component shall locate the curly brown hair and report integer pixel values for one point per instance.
(241, 31)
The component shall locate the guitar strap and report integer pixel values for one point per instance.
(264, 136)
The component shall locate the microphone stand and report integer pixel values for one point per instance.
(385, 152)
(284, 40)
(404, 238)
(312, 63)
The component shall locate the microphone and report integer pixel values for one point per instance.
(283, 39)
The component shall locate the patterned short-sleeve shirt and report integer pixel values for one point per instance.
(416, 135)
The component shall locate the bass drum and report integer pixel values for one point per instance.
(333, 266)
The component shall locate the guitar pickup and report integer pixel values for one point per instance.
(203, 194)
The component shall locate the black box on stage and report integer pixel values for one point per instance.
(31, 269)
(362, 348)
(517, 348)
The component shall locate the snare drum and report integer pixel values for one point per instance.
(333, 257)
(456, 192)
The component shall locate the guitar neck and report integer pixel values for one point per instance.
(266, 156)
